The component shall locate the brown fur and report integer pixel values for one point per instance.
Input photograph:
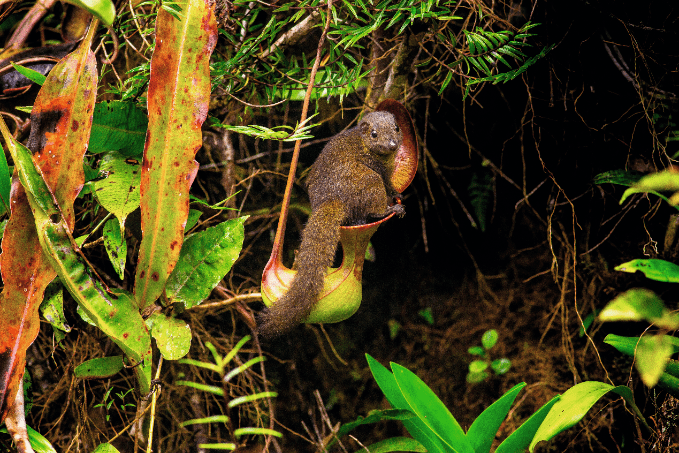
(348, 184)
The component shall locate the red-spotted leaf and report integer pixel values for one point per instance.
(60, 125)
(178, 97)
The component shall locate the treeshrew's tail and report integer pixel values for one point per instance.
(316, 253)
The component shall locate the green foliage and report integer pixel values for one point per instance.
(663, 181)
(99, 368)
(574, 405)
(39, 443)
(105, 448)
(5, 184)
(477, 368)
(226, 372)
(301, 132)
(427, 315)
(172, 335)
(204, 260)
(118, 192)
(433, 427)
(118, 126)
(116, 246)
(651, 351)
(109, 401)
(52, 309)
(30, 74)
(104, 10)
(258, 66)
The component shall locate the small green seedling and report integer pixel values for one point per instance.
(109, 401)
(478, 368)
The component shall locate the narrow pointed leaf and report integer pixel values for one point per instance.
(52, 306)
(31, 74)
(116, 314)
(482, 432)
(521, 438)
(375, 416)
(5, 184)
(205, 259)
(416, 427)
(430, 409)
(61, 119)
(39, 443)
(178, 97)
(654, 269)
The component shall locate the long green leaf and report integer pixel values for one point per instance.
(573, 406)
(482, 432)
(375, 417)
(430, 409)
(416, 427)
(178, 97)
(521, 438)
(114, 314)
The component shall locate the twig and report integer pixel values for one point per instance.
(294, 34)
(153, 407)
(36, 13)
(232, 300)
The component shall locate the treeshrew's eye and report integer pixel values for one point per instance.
(373, 134)
(397, 129)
